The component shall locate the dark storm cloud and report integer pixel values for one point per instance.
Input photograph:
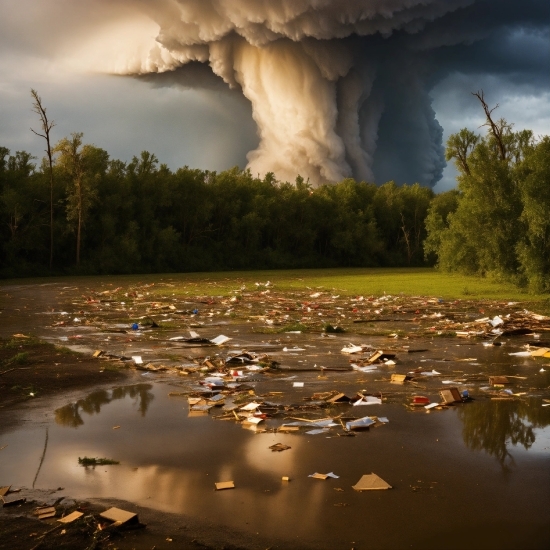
(336, 88)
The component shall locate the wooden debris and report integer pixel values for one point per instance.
(278, 447)
(71, 517)
(221, 485)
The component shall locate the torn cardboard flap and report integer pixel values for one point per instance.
(398, 378)
(371, 482)
(451, 395)
(118, 515)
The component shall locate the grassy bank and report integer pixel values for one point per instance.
(342, 281)
(411, 282)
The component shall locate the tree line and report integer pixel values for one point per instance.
(497, 222)
(113, 217)
(81, 212)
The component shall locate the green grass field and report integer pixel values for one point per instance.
(373, 281)
(342, 281)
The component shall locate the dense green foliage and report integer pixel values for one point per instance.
(498, 222)
(85, 213)
(112, 217)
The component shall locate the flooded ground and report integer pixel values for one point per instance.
(474, 473)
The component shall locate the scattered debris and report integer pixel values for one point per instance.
(278, 447)
(324, 476)
(14, 502)
(87, 461)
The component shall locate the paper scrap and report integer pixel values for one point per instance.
(219, 340)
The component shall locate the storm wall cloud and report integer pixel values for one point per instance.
(335, 88)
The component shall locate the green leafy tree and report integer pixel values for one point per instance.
(495, 224)
(81, 166)
(437, 220)
(533, 249)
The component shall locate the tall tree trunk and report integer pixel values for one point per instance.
(78, 230)
(47, 125)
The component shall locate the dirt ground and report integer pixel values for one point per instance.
(30, 368)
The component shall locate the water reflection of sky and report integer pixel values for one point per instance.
(170, 462)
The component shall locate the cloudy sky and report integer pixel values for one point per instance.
(206, 83)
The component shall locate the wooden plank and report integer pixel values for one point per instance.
(71, 517)
(221, 485)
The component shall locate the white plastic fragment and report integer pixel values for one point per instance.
(219, 340)
(368, 400)
(352, 349)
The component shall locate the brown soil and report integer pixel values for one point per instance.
(30, 368)
(21, 530)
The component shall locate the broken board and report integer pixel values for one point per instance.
(339, 398)
(71, 517)
(371, 482)
(221, 485)
(498, 380)
(45, 512)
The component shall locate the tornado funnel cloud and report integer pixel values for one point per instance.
(338, 88)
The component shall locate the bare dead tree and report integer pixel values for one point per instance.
(46, 127)
(498, 129)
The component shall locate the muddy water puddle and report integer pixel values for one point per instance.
(475, 472)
